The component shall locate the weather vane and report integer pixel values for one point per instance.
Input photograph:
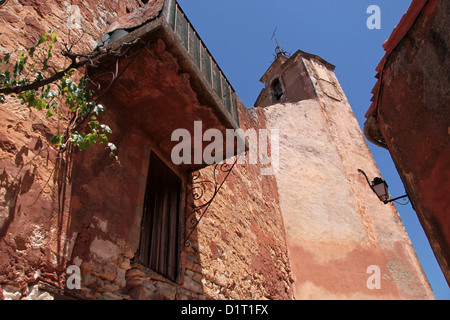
(278, 50)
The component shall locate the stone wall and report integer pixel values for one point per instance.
(241, 240)
(315, 222)
(85, 210)
(33, 215)
(413, 115)
(238, 250)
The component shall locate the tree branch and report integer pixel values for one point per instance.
(57, 76)
(38, 84)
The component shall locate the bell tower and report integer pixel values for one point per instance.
(336, 227)
(301, 76)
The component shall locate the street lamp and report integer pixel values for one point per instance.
(380, 188)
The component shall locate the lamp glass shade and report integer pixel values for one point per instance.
(380, 187)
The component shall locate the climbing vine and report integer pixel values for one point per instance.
(31, 76)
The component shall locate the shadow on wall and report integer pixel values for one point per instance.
(108, 225)
(32, 188)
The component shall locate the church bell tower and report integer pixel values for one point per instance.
(336, 227)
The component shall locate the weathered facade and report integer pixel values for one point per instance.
(335, 225)
(410, 116)
(151, 229)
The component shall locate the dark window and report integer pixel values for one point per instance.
(277, 90)
(160, 221)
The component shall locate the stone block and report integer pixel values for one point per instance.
(166, 290)
(193, 286)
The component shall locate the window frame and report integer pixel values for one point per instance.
(179, 228)
(274, 84)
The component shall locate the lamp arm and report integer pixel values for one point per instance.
(386, 201)
(367, 179)
(398, 198)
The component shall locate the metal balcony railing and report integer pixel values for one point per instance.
(201, 56)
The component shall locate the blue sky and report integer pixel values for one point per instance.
(238, 33)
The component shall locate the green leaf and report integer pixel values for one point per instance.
(40, 104)
(20, 65)
(28, 97)
(49, 113)
(6, 58)
(98, 109)
(49, 51)
(70, 71)
(86, 143)
(76, 138)
(103, 138)
(93, 125)
(83, 141)
(54, 39)
(49, 94)
(106, 129)
(45, 64)
(112, 147)
(42, 39)
(31, 51)
(56, 140)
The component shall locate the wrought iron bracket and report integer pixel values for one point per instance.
(395, 199)
(199, 194)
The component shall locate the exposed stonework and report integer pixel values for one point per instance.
(237, 252)
(242, 240)
(33, 215)
(309, 232)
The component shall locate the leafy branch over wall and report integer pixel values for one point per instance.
(30, 76)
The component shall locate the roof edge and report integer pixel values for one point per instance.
(329, 65)
(398, 34)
